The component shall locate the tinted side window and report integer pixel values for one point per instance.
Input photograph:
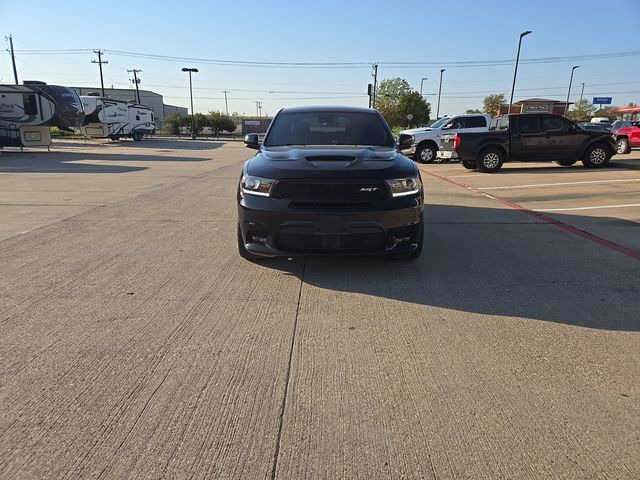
(476, 122)
(555, 124)
(528, 124)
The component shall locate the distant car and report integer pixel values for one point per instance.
(425, 142)
(628, 137)
(601, 120)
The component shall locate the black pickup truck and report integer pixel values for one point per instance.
(531, 138)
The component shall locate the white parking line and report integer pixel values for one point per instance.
(586, 208)
(536, 185)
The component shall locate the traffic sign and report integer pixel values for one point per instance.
(602, 100)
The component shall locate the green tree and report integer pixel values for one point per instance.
(220, 122)
(388, 96)
(473, 110)
(582, 111)
(173, 122)
(414, 104)
(492, 103)
(202, 121)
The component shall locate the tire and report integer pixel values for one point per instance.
(425, 153)
(490, 160)
(623, 146)
(565, 163)
(137, 136)
(242, 250)
(469, 164)
(596, 156)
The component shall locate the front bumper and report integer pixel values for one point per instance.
(411, 151)
(270, 228)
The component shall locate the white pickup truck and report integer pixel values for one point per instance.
(425, 141)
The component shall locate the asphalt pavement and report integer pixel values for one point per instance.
(136, 343)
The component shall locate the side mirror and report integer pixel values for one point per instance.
(251, 140)
(447, 126)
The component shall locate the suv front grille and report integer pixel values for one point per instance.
(356, 191)
(294, 242)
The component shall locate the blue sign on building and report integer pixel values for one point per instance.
(602, 100)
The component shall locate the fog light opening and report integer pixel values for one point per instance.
(257, 237)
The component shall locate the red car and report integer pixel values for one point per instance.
(628, 137)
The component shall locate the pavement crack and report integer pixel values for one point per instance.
(283, 406)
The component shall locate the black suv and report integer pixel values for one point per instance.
(329, 180)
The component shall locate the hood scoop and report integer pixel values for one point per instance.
(330, 158)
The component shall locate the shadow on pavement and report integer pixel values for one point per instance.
(496, 262)
(63, 162)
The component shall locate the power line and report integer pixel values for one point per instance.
(254, 63)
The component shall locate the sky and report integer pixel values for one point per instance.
(269, 52)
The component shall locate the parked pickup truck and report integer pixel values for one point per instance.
(425, 141)
(530, 138)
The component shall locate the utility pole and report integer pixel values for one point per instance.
(582, 92)
(100, 62)
(13, 58)
(259, 108)
(136, 80)
(374, 74)
(226, 105)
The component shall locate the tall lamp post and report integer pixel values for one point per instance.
(566, 105)
(515, 71)
(193, 118)
(439, 92)
(421, 82)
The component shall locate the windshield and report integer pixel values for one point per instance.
(329, 128)
(439, 123)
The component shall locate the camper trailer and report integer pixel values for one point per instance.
(27, 111)
(109, 118)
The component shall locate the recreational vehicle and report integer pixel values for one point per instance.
(27, 111)
(109, 118)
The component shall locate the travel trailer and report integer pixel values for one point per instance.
(109, 118)
(27, 111)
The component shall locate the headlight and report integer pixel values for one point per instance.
(404, 186)
(256, 185)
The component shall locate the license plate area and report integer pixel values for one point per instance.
(331, 225)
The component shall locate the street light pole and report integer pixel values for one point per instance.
(193, 118)
(566, 105)
(515, 71)
(439, 92)
(582, 92)
(421, 82)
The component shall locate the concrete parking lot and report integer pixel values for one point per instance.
(136, 343)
